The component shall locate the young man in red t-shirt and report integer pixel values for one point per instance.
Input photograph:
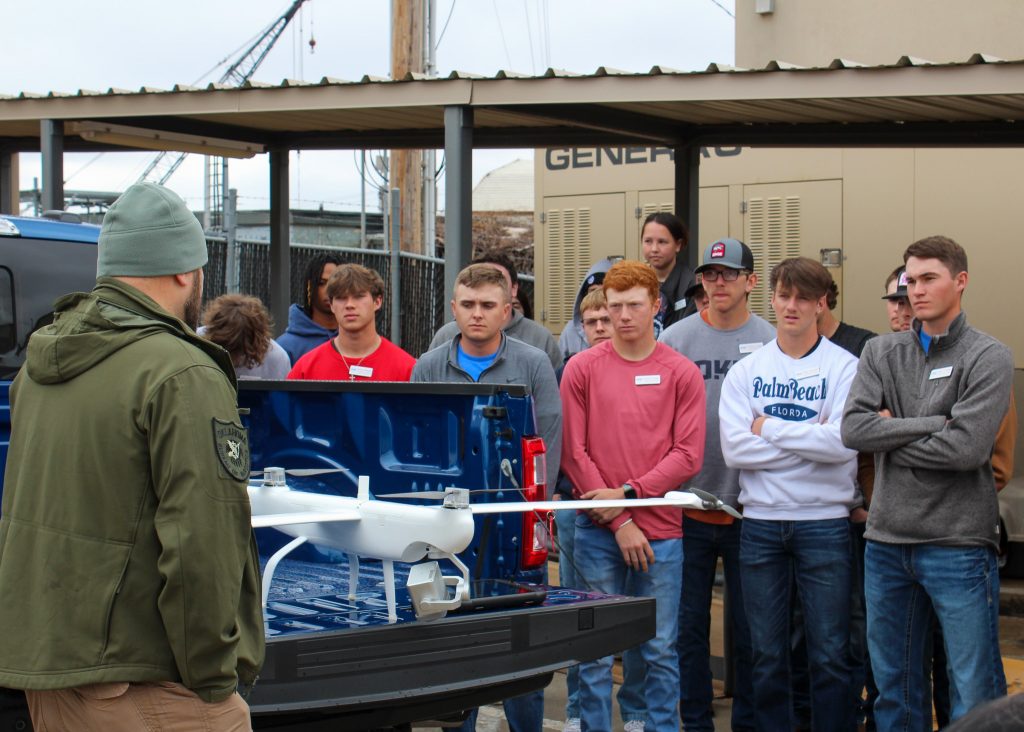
(357, 353)
(633, 427)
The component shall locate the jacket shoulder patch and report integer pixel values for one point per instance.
(232, 444)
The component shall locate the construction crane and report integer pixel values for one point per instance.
(163, 165)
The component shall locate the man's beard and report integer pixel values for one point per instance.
(194, 304)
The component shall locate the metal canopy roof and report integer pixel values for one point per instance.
(909, 103)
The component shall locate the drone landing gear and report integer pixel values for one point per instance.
(268, 573)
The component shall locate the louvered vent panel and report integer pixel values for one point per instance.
(568, 257)
(773, 234)
(756, 235)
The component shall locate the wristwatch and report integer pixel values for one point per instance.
(629, 491)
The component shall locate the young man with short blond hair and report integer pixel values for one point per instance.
(928, 402)
(358, 352)
(653, 444)
(482, 352)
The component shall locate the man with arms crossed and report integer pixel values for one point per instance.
(126, 530)
(928, 402)
(481, 352)
(357, 353)
(651, 444)
(779, 417)
(715, 340)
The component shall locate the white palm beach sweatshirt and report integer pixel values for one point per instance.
(798, 468)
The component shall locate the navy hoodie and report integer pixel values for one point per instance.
(302, 334)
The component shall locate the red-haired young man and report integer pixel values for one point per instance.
(633, 426)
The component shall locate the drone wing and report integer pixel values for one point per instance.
(263, 521)
(679, 499)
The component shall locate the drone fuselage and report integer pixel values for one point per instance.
(384, 530)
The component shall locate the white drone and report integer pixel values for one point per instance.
(396, 532)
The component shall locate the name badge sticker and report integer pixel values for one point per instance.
(750, 347)
(807, 373)
(680, 304)
(364, 371)
(647, 380)
(942, 373)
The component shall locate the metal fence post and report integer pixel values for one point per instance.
(396, 266)
(231, 258)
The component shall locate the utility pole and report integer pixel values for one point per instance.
(406, 168)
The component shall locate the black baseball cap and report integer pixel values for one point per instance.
(901, 287)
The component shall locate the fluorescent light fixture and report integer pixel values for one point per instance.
(146, 139)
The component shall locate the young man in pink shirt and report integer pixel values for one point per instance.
(645, 438)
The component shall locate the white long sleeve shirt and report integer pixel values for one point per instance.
(798, 468)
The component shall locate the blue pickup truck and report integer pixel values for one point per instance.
(334, 661)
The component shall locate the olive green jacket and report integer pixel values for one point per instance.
(126, 547)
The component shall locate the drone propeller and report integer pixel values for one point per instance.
(300, 472)
(715, 503)
(438, 494)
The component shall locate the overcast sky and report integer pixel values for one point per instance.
(60, 45)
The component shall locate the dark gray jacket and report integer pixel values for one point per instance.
(516, 363)
(528, 331)
(933, 467)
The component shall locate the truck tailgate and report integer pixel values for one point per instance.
(389, 675)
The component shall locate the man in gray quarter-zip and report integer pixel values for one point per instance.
(928, 402)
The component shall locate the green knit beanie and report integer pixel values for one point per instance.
(148, 232)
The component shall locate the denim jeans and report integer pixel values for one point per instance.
(600, 562)
(566, 523)
(817, 554)
(703, 543)
(860, 664)
(632, 705)
(962, 585)
(523, 713)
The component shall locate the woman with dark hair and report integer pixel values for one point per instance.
(663, 241)
(310, 321)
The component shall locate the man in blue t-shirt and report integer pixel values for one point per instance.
(482, 352)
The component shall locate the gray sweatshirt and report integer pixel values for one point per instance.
(528, 331)
(933, 467)
(715, 351)
(516, 363)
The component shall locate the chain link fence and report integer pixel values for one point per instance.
(421, 296)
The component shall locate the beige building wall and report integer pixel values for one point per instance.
(813, 32)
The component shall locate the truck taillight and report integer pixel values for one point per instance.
(535, 553)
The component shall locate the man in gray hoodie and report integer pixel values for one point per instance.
(928, 402)
(482, 352)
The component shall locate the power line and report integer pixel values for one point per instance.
(446, 21)
(529, 36)
(724, 9)
(501, 31)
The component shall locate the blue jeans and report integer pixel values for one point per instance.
(600, 562)
(962, 585)
(523, 713)
(632, 705)
(566, 523)
(703, 543)
(816, 554)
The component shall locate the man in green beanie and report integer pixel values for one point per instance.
(126, 545)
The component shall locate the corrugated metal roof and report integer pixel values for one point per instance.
(947, 103)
